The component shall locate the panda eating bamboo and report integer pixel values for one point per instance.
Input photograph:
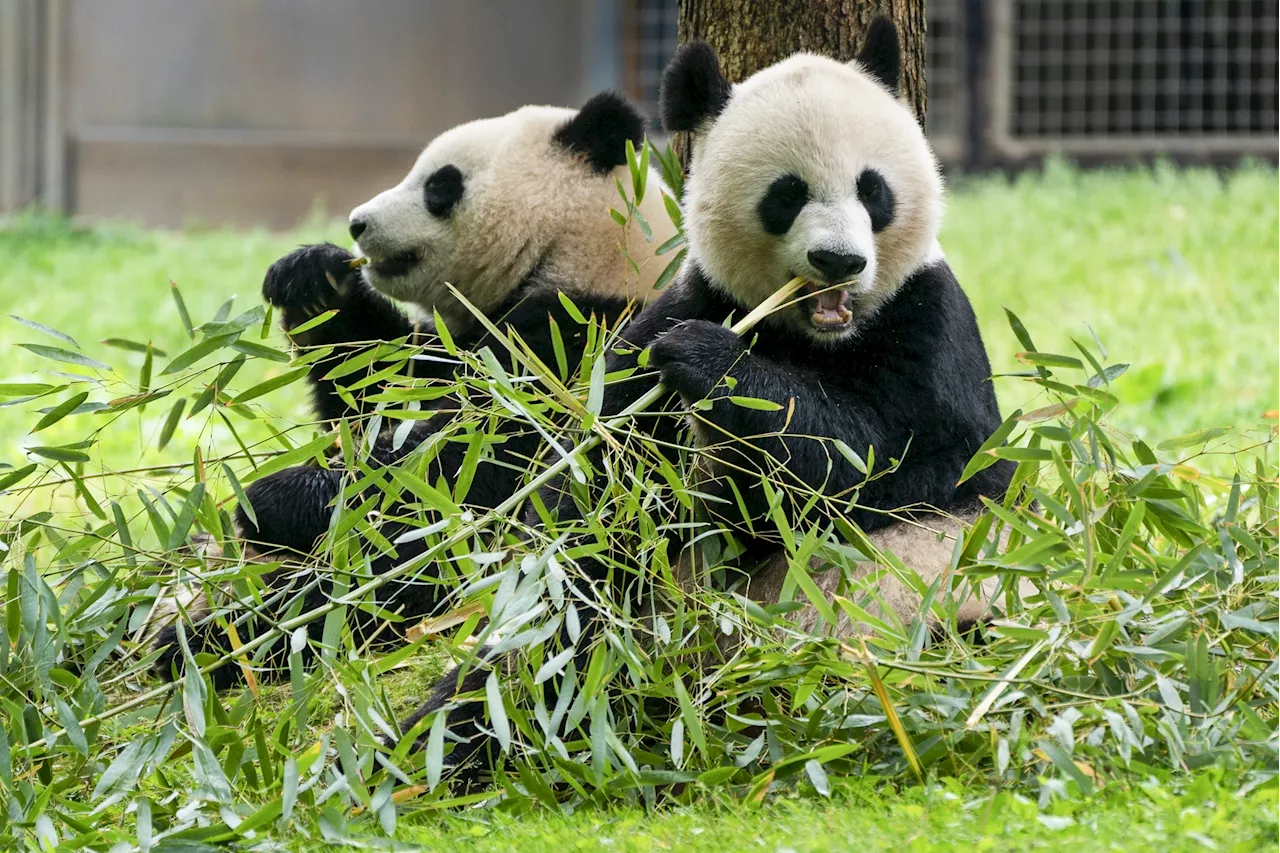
(810, 168)
(514, 213)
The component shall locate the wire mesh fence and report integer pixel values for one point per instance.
(1011, 79)
(1135, 75)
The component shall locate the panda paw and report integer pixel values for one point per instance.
(309, 281)
(694, 356)
(291, 509)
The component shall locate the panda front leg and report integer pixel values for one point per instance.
(791, 444)
(318, 278)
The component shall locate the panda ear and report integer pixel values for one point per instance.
(880, 56)
(693, 89)
(601, 129)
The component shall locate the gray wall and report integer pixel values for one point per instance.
(252, 111)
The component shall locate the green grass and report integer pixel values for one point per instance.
(1176, 272)
(1204, 815)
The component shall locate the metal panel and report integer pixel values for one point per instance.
(19, 103)
(651, 39)
(947, 116)
(276, 93)
(1134, 76)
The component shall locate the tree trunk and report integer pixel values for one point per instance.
(752, 34)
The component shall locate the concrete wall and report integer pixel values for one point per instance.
(255, 111)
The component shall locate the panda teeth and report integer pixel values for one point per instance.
(830, 308)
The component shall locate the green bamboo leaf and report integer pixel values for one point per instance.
(435, 750)
(497, 713)
(75, 734)
(64, 356)
(313, 449)
(171, 422)
(27, 389)
(241, 498)
(1022, 454)
(756, 403)
(40, 327)
(183, 314)
(671, 269)
(198, 351)
(1041, 359)
(132, 346)
(692, 722)
(571, 309)
(595, 391)
(269, 385)
(260, 351)
(144, 374)
(851, 456)
(17, 476)
(85, 494)
(670, 245)
(182, 524)
(674, 212)
(60, 411)
(818, 776)
(123, 404)
(1200, 437)
(64, 453)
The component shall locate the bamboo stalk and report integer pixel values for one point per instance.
(502, 510)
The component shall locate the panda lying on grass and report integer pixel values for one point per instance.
(512, 211)
(810, 168)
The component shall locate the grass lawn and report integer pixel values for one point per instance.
(1175, 271)
(1205, 815)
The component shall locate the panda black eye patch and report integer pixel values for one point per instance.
(443, 189)
(877, 198)
(780, 206)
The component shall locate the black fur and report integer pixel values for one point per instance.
(913, 383)
(877, 197)
(443, 190)
(783, 202)
(600, 131)
(693, 89)
(293, 507)
(881, 56)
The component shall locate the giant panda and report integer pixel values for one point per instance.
(810, 168)
(514, 212)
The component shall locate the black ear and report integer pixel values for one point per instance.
(693, 89)
(881, 56)
(601, 129)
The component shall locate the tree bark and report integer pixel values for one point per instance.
(752, 34)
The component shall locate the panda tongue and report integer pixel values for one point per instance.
(830, 310)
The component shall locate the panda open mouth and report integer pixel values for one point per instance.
(395, 265)
(828, 307)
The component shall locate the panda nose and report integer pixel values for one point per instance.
(357, 227)
(836, 267)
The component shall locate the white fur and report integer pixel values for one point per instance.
(526, 201)
(825, 122)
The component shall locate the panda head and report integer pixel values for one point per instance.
(491, 203)
(810, 168)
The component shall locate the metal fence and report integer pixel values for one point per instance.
(1011, 80)
(1134, 76)
(251, 112)
(30, 168)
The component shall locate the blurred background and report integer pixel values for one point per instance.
(267, 112)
